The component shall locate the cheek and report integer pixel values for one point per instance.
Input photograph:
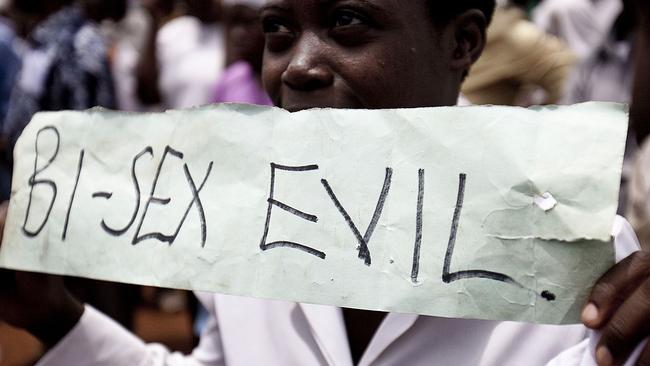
(410, 75)
(381, 77)
(272, 69)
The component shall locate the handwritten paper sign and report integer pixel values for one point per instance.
(475, 212)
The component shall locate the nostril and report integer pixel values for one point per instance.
(308, 79)
(307, 85)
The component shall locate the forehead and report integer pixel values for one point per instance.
(396, 8)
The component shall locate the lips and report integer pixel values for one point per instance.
(294, 100)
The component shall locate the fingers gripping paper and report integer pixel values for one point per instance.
(476, 212)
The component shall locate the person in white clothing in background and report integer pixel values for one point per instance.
(583, 24)
(182, 60)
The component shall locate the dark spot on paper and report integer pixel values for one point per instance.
(549, 296)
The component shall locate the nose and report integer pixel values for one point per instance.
(308, 69)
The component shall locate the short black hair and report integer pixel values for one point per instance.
(444, 11)
(38, 7)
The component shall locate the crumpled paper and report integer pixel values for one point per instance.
(435, 211)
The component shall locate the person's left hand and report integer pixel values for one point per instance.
(619, 306)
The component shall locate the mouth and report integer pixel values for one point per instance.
(298, 108)
(295, 101)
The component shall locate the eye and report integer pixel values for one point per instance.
(352, 27)
(279, 35)
(275, 25)
(346, 18)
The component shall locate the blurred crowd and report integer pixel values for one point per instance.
(152, 55)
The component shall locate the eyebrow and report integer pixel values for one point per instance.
(277, 6)
(322, 3)
(370, 4)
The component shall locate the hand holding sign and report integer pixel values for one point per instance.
(619, 306)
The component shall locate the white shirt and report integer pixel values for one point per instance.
(246, 331)
(582, 24)
(191, 58)
(607, 76)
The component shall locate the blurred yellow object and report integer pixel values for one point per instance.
(519, 58)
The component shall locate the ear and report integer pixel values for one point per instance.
(470, 38)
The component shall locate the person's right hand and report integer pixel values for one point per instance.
(38, 303)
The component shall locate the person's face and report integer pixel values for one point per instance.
(99, 10)
(358, 54)
(115, 10)
(244, 37)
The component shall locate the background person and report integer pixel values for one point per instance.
(65, 67)
(519, 61)
(10, 63)
(241, 81)
(582, 24)
(184, 58)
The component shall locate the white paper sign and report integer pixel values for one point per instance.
(472, 212)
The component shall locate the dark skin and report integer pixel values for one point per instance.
(322, 54)
(353, 54)
(99, 10)
(640, 109)
(347, 54)
(350, 54)
(207, 11)
(244, 37)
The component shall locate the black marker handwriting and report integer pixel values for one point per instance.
(195, 199)
(74, 192)
(418, 228)
(136, 185)
(364, 252)
(448, 277)
(34, 182)
(273, 202)
(137, 238)
(104, 195)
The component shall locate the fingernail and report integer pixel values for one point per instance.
(590, 314)
(604, 357)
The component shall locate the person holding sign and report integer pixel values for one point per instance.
(355, 54)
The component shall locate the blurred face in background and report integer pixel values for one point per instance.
(244, 36)
(99, 10)
(26, 14)
(207, 11)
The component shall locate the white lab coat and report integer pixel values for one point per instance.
(246, 331)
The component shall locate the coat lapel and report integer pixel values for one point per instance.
(328, 329)
(393, 327)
